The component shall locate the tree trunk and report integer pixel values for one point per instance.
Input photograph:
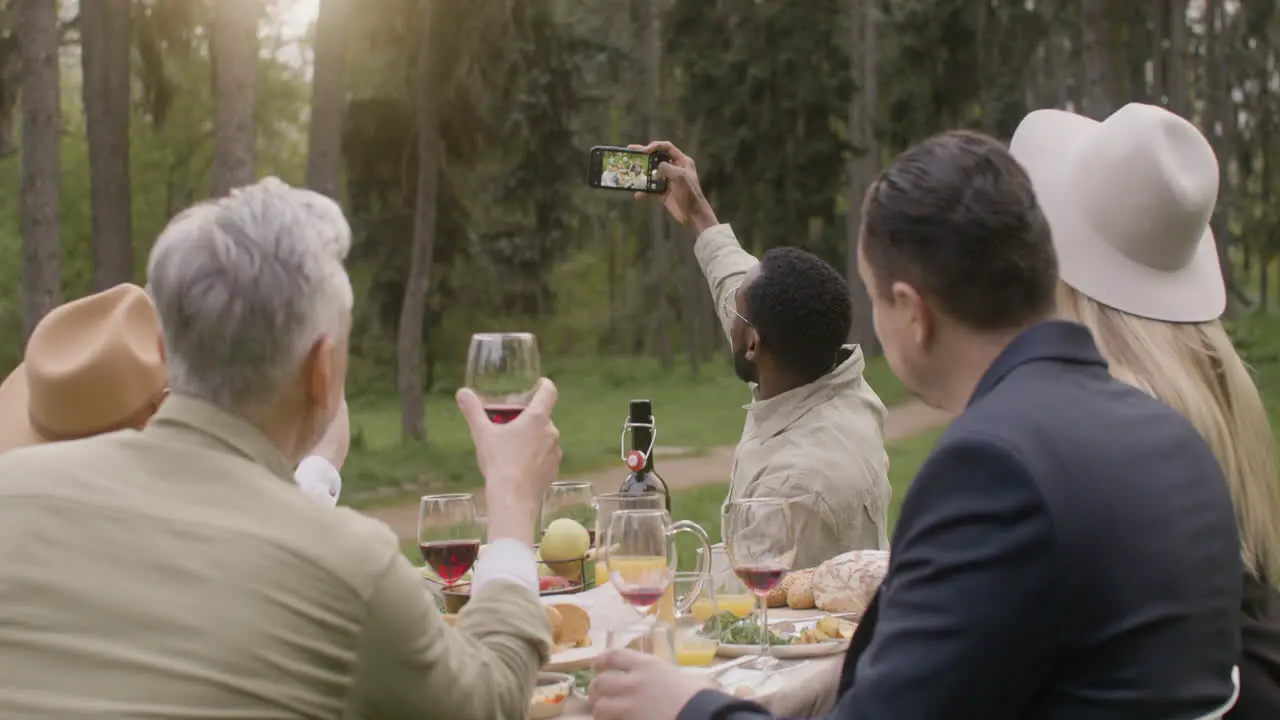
(41, 165)
(409, 346)
(1221, 123)
(328, 98)
(234, 52)
(1099, 68)
(105, 36)
(1176, 75)
(863, 163)
(657, 224)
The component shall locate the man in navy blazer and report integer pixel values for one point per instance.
(1069, 548)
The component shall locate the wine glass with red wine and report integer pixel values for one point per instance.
(638, 552)
(760, 542)
(503, 368)
(449, 534)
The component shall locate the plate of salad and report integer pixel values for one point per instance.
(814, 637)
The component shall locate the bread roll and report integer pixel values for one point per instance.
(800, 594)
(777, 597)
(846, 583)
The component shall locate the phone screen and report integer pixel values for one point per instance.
(623, 169)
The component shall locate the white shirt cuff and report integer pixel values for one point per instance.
(506, 559)
(319, 480)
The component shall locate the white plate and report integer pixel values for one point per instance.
(786, 652)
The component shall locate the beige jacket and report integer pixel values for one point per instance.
(822, 445)
(177, 572)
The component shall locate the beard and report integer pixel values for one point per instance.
(744, 368)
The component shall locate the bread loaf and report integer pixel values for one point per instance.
(846, 583)
(777, 597)
(800, 593)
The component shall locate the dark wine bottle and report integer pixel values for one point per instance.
(643, 478)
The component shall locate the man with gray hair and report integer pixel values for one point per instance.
(176, 571)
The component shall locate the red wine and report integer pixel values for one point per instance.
(451, 559)
(760, 579)
(641, 598)
(503, 414)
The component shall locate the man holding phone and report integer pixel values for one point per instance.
(814, 430)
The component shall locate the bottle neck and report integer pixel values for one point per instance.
(642, 440)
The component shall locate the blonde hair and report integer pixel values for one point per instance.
(1195, 369)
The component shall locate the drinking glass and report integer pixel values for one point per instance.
(649, 637)
(503, 368)
(731, 595)
(605, 506)
(572, 500)
(697, 628)
(641, 555)
(449, 534)
(760, 542)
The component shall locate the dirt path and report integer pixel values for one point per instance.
(682, 473)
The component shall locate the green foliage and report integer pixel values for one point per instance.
(762, 87)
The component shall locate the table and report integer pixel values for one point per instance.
(802, 692)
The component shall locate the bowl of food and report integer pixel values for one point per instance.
(550, 695)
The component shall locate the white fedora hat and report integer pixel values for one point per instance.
(1128, 201)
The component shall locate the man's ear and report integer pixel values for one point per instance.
(919, 315)
(752, 344)
(318, 373)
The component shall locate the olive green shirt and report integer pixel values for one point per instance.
(821, 444)
(177, 572)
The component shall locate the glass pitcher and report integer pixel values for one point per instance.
(606, 505)
(655, 566)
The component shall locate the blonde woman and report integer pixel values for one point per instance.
(1129, 201)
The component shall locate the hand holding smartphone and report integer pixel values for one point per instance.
(616, 168)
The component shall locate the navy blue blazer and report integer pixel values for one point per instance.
(1068, 550)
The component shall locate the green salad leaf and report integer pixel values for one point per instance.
(730, 630)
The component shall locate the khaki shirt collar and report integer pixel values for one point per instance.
(774, 415)
(203, 420)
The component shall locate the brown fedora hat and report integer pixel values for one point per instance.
(92, 365)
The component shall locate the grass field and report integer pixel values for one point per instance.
(692, 411)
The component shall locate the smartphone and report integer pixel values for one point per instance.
(615, 168)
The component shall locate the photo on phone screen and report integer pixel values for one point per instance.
(622, 169)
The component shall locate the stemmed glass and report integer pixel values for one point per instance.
(605, 506)
(639, 555)
(449, 534)
(761, 545)
(503, 368)
(573, 500)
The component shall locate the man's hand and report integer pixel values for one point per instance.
(630, 684)
(336, 441)
(519, 460)
(683, 198)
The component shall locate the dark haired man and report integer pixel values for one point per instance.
(814, 431)
(1069, 548)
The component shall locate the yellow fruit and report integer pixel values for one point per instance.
(564, 543)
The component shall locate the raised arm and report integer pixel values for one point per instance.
(724, 263)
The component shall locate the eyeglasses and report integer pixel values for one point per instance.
(731, 307)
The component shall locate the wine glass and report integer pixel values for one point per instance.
(572, 500)
(503, 368)
(731, 595)
(449, 534)
(605, 506)
(639, 556)
(760, 542)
